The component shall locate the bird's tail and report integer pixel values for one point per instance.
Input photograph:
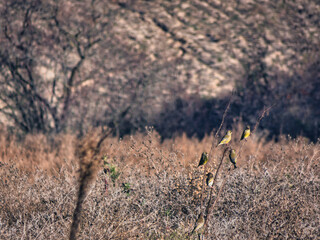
(235, 166)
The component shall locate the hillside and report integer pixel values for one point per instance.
(127, 64)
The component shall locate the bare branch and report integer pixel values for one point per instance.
(213, 145)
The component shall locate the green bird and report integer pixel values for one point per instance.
(199, 223)
(203, 159)
(233, 157)
(209, 179)
(226, 139)
(246, 133)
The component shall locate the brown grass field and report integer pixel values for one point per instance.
(154, 189)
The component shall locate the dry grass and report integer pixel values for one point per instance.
(154, 189)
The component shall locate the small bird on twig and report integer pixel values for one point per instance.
(203, 159)
(233, 157)
(199, 223)
(246, 133)
(209, 179)
(226, 139)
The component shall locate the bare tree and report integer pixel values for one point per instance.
(44, 47)
(63, 67)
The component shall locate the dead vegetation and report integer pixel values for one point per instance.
(154, 189)
(82, 66)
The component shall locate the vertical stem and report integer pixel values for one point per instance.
(213, 144)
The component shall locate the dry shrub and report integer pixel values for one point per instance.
(38, 151)
(153, 191)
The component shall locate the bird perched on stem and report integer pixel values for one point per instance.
(199, 223)
(226, 139)
(246, 133)
(233, 157)
(209, 179)
(203, 159)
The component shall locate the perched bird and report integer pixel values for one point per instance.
(226, 138)
(246, 133)
(233, 157)
(199, 223)
(203, 159)
(209, 179)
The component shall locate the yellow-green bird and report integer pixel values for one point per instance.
(233, 157)
(209, 179)
(246, 133)
(199, 223)
(226, 139)
(203, 159)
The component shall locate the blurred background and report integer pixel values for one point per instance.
(69, 66)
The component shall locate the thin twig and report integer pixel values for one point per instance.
(240, 149)
(209, 209)
(213, 145)
(265, 110)
(261, 116)
(220, 164)
(211, 206)
(222, 121)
